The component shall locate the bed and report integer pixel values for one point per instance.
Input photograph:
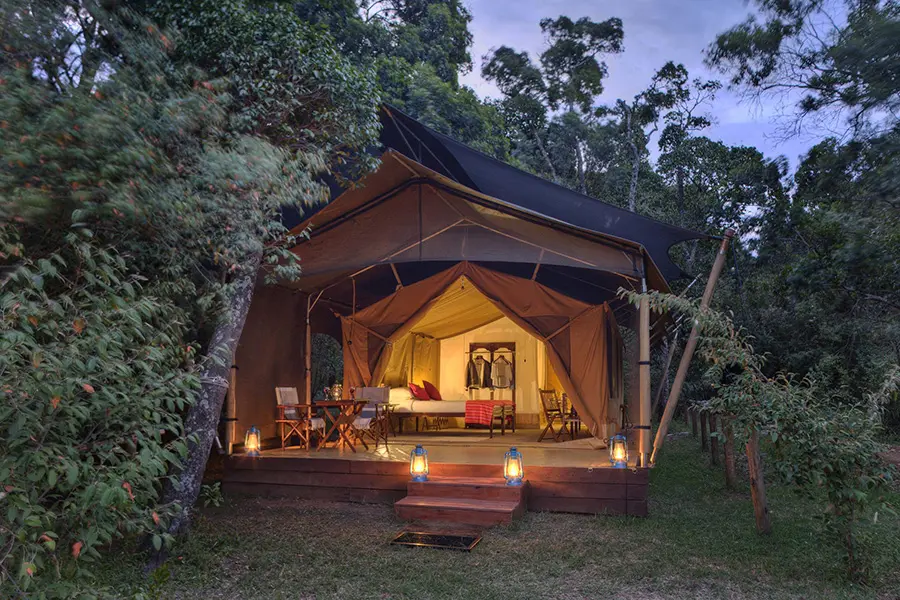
(404, 406)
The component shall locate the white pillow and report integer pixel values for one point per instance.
(400, 394)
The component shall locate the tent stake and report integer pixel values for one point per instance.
(689, 348)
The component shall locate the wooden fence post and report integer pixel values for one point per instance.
(758, 485)
(704, 430)
(730, 474)
(713, 441)
(692, 413)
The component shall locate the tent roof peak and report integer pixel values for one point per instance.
(493, 178)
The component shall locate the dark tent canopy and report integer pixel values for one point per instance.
(434, 202)
(492, 177)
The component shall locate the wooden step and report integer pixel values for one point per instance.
(458, 510)
(473, 488)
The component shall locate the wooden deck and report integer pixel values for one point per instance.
(569, 477)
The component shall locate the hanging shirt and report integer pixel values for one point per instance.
(478, 373)
(501, 373)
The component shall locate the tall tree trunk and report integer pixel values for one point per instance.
(546, 155)
(635, 165)
(662, 390)
(203, 417)
(579, 163)
(679, 183)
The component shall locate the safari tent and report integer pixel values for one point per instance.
(443, 244)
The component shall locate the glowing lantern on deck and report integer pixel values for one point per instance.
(418, 463)
(618, 451)
(251, 441)
(513, 467)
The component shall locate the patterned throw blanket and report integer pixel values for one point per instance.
(480, 412)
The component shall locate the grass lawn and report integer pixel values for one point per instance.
(698, 542)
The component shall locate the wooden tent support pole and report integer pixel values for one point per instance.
(307, 356)
(713, 441)
(690, 347)
(644, 378)
(758, 485)
(231, 411)
(704, 430)
(730, 473)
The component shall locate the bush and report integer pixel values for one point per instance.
(94, 382)
(818, 443)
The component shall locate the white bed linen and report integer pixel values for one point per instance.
(455, 407)
(402, 402)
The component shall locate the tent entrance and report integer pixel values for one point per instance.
(384, 342)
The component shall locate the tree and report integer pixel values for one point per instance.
(828, 251)
(138, 203)
(295, 93)
(836, 61)
(668, 87)
(417, 50)
(570, 77)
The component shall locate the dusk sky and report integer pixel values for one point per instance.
(656, 31)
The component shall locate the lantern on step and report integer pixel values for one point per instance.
(618, 451)
(513, 467)
(418, 463)
(251, 441)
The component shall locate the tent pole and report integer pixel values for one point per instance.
(231, 410)
(644, 376)
(307, 356)
(689, 348)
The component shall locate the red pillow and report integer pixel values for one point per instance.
(433, 392)
(419, 393)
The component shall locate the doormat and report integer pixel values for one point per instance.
(440, 541)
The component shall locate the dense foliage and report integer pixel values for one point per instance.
(151, 148)
(139, 195)
(817, 441)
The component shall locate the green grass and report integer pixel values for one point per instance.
(698, 542)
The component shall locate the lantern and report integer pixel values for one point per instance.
(251, 441)
(418, 463)
(513, 468)
(618, 451)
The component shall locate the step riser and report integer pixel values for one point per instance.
(508, 493)
(449, 515)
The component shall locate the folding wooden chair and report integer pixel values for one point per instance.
(295, 418)
(373, 420)
(552, 413)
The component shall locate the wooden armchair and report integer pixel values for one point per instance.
(294, 417)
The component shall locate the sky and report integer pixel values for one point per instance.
(656, 31)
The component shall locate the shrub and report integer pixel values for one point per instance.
(94, 380)
(818, 443)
